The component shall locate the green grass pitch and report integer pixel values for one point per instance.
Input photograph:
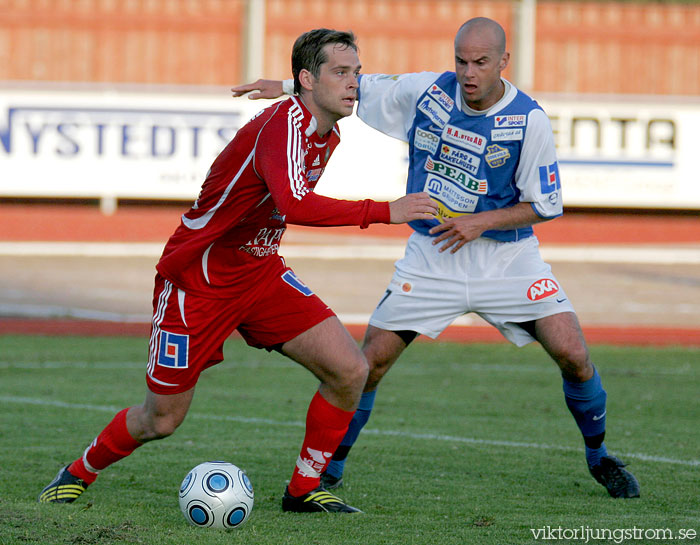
(467, 444)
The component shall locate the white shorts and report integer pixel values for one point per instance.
(505, 283)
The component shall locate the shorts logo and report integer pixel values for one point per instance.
(544, 287)
(406, 287)
(426, 141)
(174, 350)
(467, 139)
(500, 135)
(290, 278)
(434, 112)
(460, 158)
(442, 97)
(496, 156)
(510, 121)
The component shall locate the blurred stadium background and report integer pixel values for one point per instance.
(111, 112)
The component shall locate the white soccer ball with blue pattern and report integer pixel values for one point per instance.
(216, 495)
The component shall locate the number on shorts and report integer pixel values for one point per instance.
(386, 295)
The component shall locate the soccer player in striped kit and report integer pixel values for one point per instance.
(220, 272)
(484, 150)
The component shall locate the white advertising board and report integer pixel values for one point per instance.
(136, 144)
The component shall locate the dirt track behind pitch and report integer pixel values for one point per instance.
(69, 267)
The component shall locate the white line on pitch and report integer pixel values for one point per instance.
(371, 431)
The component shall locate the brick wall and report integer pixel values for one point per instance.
(588, 47)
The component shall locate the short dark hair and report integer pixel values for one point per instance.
(308, 53)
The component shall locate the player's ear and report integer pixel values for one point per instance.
(504, 61)
(306, 79)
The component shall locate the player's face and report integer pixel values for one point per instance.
(335, 91)
(478, 65)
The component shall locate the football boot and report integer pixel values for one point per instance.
(316, 501)
(619, 482)
(65, 488)
(329, 482)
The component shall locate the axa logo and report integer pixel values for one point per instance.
(542, 288)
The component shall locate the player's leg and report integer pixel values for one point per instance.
(561, 336)
(330, 353)
(514, 289)
(177, 354)
(381, 348)
(413, 304)
(156, 418)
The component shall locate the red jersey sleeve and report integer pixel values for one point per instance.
(280, 161)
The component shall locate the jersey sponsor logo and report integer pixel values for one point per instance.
(450, 195)
(434, 112)
(173, 350)
(316, 162)
(467, 139)
(445, 213)
(314, 175)
(426, 141)
(290, 278)
(460, 158)
(499, 135)
(510, 120)
(457, 175)
(442, 97)
(266, 242)
(545, 287)
(496, 156)
(549, 178)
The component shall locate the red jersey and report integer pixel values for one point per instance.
(261, 181)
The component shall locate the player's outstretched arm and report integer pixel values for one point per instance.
(414, 206)
(267, 88)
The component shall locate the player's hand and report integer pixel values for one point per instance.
(414, 206)
(457, 232)
(267, 88)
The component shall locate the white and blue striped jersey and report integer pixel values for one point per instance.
(468, 161)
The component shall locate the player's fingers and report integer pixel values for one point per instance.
(439, 228)
(447, 244)
(242, 89)
(458, 246)
(444, 236)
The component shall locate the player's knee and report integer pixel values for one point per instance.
(353, 377)
(160, 427)
(377, 371)
(575, 363)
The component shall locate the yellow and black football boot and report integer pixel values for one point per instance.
(65, 488)
(316, 501)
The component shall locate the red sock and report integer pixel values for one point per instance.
(111, 445)
(325, 428)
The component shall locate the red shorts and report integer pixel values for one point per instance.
(188, 332)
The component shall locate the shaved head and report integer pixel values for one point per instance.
(480, 57)
(487, 28)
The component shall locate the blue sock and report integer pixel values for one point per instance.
(593, 455)
(337, 464)
(586, 401)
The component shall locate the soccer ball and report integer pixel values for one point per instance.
(216, 495)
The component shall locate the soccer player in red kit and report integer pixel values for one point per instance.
(220, 272)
